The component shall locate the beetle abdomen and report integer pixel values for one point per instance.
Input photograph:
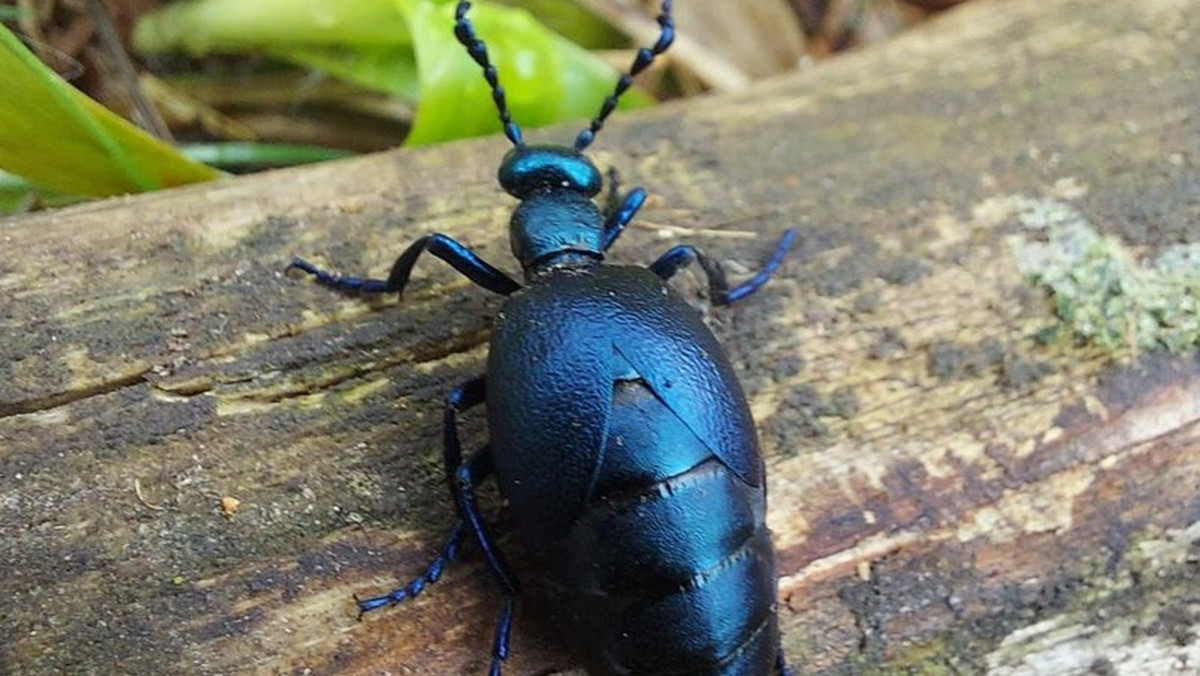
(670, 568)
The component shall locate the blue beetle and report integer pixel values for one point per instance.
(620, 437)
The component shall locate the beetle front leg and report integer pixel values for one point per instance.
(619, 212)
(458, 256)
(678, 257)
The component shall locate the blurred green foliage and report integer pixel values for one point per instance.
(407, 48)
(55, 138)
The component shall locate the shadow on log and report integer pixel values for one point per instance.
(953, 489)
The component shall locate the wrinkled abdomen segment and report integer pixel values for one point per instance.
(670, 569)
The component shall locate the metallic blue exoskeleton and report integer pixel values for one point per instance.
(619, 434)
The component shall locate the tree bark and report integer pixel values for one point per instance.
(952, 488)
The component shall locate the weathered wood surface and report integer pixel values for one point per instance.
(948, 494)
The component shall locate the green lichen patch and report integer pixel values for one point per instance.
(1102, 293)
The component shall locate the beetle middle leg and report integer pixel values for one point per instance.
(432, 573)
(464, 477)
(679, 256)
(479, 467)
(458, 256)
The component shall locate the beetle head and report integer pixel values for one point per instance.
(529, 169)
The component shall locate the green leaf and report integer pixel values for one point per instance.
(570, 20)
(365, 42)
(236, 155)
(390, 69)
(15, 193)
(202, 27)
(57, 138)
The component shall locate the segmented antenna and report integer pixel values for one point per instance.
(465, 32)
(644, 58)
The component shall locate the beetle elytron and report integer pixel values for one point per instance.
(620, 436)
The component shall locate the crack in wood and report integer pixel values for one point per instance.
(52, 401)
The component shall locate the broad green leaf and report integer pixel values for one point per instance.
(365, 42)
(57, 138)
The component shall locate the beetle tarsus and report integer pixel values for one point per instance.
(458, 256)
(341, 283)
(432, 573)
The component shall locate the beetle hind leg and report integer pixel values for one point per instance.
(464, 477)
(478, 467)
(467, 476)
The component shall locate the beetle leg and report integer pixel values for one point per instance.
(679, 256)
(500, 643)
(464, 477)
(480, 465)
(465, 482)
(620, 216)
(458, 256)
(433, 572)
(467, 479)
(781, 663)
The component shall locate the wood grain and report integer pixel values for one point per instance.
(949, 493)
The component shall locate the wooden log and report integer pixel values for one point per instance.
(952, 491)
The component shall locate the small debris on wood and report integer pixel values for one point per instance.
(137, 490)
(229, 506)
